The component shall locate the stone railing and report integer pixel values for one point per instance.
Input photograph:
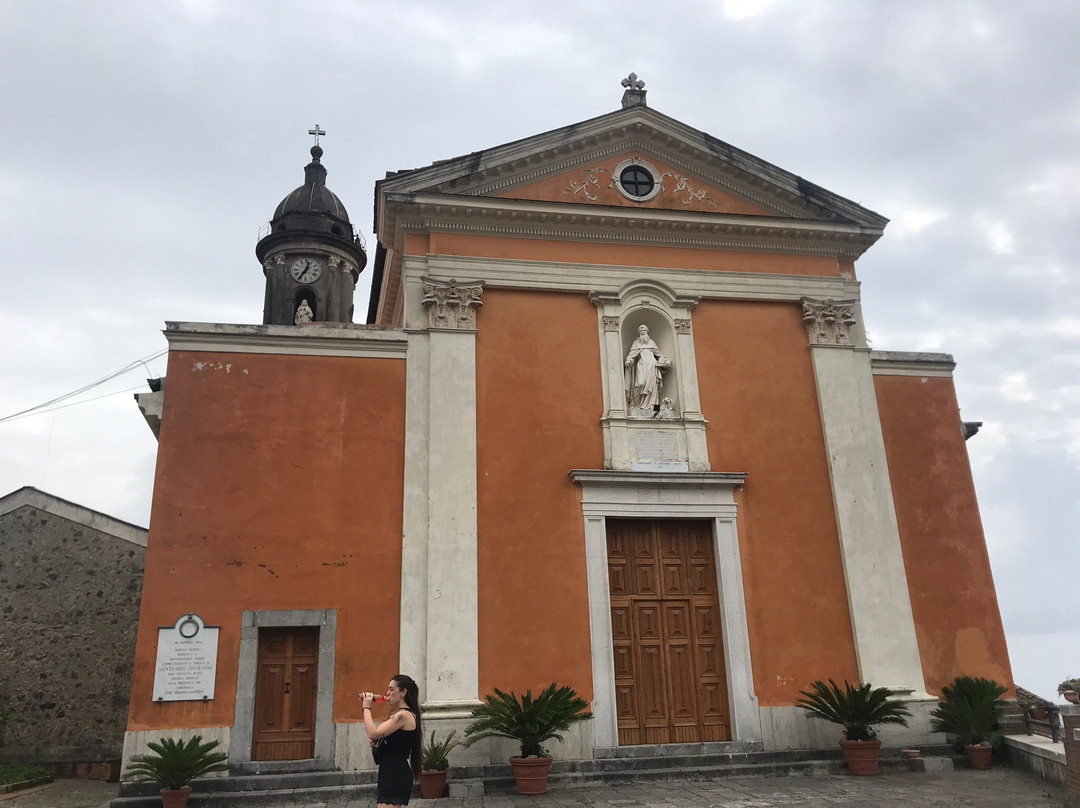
(1049, 727)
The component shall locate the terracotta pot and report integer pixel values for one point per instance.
(862, 757)
(1071, 696)
(433, 784)
(531, 774)
(909, 754)
(175, 797)
(979, 755)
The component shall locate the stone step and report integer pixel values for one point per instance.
(643, 764)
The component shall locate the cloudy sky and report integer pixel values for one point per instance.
(144, 144)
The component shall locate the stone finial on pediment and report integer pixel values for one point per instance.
(451, 304)
(829, 322)
(634, 94)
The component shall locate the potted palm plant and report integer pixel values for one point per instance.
(858, 709)
(968, 712)
(174, 765)
(531, 722)
(434, 764)
(1069, 689)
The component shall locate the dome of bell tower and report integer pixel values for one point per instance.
(313, 197)
(310, 253)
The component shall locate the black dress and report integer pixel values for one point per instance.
(395, 772)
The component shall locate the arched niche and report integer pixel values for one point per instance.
(306, 293)
(629, 436)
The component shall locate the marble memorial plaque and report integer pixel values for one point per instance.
(658, 465)
(186, 661)
(657, 444)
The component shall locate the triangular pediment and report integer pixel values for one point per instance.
(582, 164)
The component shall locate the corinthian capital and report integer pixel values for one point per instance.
(828, 322)
(451, 304)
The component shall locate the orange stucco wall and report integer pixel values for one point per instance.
(758, 393)
(957, 620)
(279, 486)
(538, 407)
(626, 255)
(575, 186)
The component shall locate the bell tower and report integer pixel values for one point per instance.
(311, 256)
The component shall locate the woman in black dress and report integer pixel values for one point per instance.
(398, 738)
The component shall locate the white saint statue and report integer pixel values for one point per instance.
(304, 314)
(644, 378)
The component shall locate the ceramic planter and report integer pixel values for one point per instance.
(531, 774)
(862, 757)
(175, 797)
(433, 784)
(1071, 696)
(979, 755)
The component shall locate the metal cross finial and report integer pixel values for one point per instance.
(632, 82)
(316, 131)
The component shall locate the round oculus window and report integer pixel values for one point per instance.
(636, 181)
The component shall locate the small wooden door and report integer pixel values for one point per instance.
(285, 691)
(670, 681)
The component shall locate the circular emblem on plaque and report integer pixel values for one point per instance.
(188, 628)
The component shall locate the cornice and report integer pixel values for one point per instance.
(910, 363)
(607, 279)
(577, 222)
(659, 479)
(313, 339)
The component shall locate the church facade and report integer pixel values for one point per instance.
(613, 422)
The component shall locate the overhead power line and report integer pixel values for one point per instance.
(46, 406)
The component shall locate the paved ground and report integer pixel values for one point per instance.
(997, 788)
(63, 794)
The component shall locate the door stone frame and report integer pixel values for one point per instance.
(244, 721)
(705, 496)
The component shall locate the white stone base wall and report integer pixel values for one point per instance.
(794, 728)
(354, 753)
(135, 741)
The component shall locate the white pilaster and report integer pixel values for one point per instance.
(439, 634)
(452, 644)
(414, 523)
(878, 596)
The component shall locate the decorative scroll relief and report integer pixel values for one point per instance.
(451, 304)
(829, 322)
(677, 186)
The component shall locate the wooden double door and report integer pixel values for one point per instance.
(670, 681)
(286, 687)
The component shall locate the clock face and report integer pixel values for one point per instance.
(306, 270)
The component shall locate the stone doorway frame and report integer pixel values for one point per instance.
(243, 722)
(705, 496)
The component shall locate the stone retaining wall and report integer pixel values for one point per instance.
(69, 609)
